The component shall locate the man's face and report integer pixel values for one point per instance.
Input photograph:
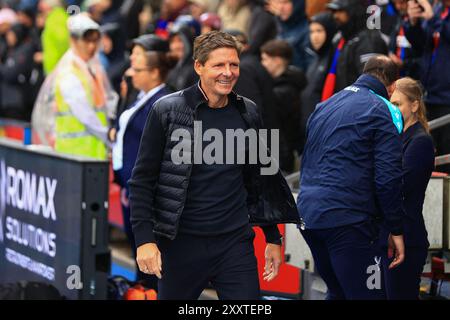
(220, 72)
(283, 8)
(341, 17)
(137, 51)
(272, 64)
(401, 6)
(140, 72)
(177, 47)
(317, 35)
(87, 46)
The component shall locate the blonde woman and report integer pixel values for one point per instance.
(402, 283)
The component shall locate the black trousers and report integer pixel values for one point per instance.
(403, 282)
(228, 262)
(441, 136)
(348, 259)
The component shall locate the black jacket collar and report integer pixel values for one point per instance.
(373, 84)
(415, 129)
(195, 97)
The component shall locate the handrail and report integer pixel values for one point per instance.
(441, 160)
(439, 122)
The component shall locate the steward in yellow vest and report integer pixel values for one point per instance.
(79, 97)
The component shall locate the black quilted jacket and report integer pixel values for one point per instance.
(158, 187)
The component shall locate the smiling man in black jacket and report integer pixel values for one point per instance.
(192, 221)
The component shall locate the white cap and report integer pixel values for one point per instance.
(80, 23)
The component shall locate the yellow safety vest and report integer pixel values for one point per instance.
(72, 136)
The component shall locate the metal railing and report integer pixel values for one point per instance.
(441, 160)
(439, 122)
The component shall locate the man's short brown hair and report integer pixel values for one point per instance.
(383, 68)
(208, 42)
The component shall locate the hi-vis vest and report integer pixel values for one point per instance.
(72, 136)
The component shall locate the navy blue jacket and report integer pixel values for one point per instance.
(132, 137)
(352, 163)
(418, 165)
(435, 75)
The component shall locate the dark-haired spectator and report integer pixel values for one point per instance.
(15, 72)
(181, 47)
(293, 27)
(148, 72)
(112, 54)
(141, 45)
(428, 30)
(7, 18)
(322, 30)
(289, 81)
(129, 12)
(354, 47)
(27, 13)
(262, 26)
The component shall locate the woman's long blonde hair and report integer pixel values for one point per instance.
(412, 89)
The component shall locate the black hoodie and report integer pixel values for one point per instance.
(183, 75)
(361, 44)
(15, 72)
(317, 72)
(287, 89)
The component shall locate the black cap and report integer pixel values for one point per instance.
(151, 42)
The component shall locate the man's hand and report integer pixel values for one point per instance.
(112, 134)
(419, 9)
(396, 249)
(272, 7)
(273, 261)
(149, 260)
(123, 198)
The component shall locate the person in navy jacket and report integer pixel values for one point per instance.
(403, 283)
(148, 70)
(351, 177)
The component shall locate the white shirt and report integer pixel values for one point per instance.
(117, 151)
